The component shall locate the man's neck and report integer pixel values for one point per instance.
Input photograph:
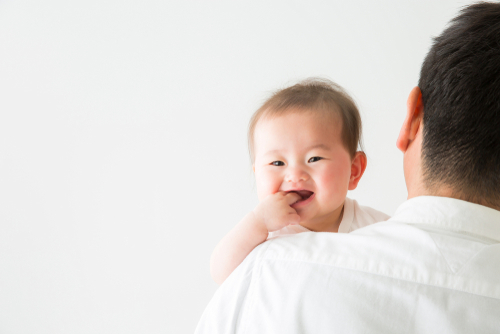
(447, 191)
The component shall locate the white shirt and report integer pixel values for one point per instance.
(354, 216)
(432, 268)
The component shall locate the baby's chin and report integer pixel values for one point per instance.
(325, 222)
(305, 218)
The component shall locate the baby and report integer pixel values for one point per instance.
(303, 146)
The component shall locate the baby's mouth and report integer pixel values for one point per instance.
(304, 194)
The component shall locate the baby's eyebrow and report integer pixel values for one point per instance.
(322, 146)
(271, 152)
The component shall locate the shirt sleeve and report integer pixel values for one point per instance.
(224, 312)
(364, 216)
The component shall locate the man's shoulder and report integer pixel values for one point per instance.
(374, 240)
(399, 251)
(329, 280)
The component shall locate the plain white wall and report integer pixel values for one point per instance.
(123, 155)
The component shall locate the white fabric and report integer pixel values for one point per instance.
(432, 268)
(354, 216)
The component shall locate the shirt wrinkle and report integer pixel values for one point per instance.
(391, 277)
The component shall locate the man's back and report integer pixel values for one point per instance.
(433, 268)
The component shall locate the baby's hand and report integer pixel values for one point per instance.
(275, 211)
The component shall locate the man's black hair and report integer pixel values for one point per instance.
(460, 84)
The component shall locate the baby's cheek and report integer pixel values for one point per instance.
(266, 185)
(335, 183)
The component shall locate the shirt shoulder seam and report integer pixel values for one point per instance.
(392, 277)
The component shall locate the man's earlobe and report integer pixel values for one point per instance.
(411, 124)
(358, 167)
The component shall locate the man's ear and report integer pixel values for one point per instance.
(414, 116)
(358, 167)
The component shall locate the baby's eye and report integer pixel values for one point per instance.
(314, 159)
(277, 163)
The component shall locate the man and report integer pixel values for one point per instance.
(432, 268)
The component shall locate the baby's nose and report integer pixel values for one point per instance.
(296, 175)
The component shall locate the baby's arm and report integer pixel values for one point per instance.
(272, 214)
(235, 246)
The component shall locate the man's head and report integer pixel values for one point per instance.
(451, 136)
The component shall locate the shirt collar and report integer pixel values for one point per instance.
(451, 214)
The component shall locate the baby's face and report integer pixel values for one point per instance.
(303, 152)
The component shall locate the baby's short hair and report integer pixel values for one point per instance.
(313, 95)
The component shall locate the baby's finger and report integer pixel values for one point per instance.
(292, 198)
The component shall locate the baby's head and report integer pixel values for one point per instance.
(305, 139)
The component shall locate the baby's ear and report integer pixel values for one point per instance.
(358, 166)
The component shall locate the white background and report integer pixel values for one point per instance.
(123, 156)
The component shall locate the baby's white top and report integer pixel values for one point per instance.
(355, 216)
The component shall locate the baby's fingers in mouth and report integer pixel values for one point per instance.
(303, 194)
